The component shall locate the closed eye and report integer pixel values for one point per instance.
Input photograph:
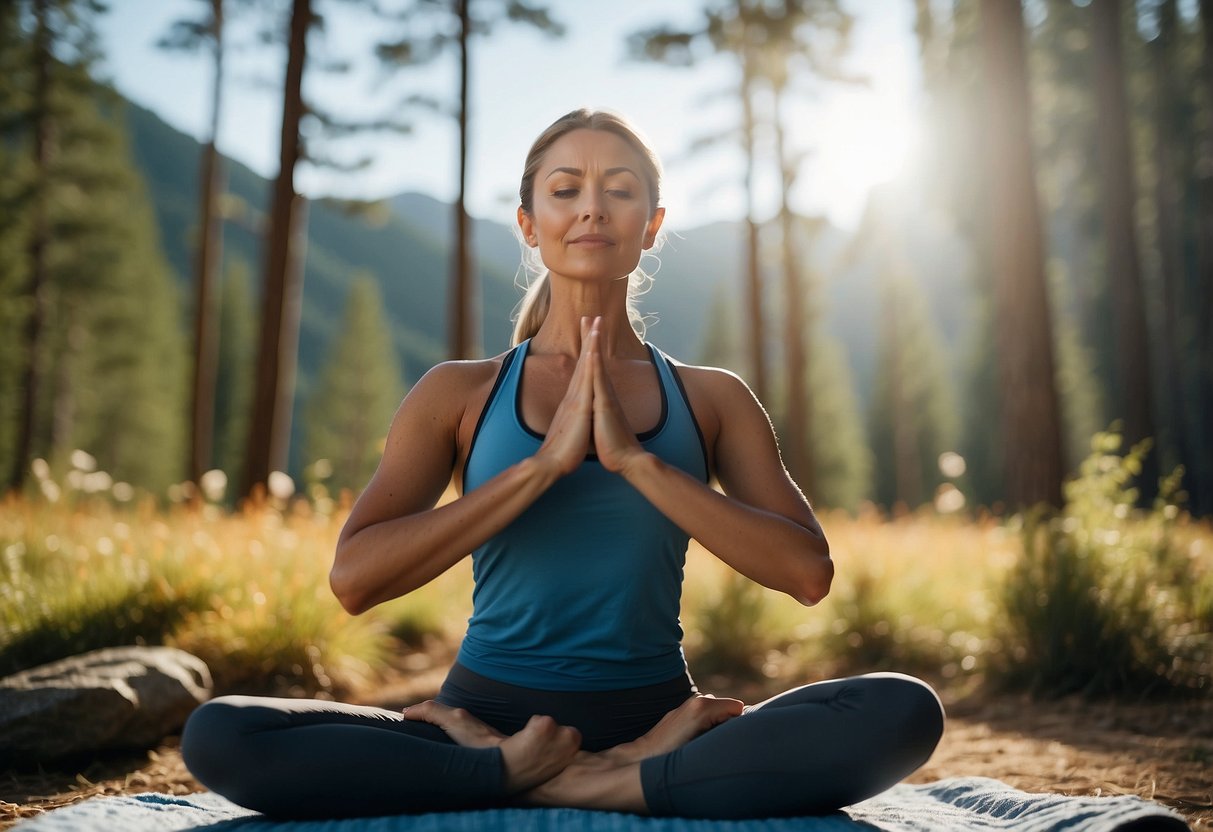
(565, 193)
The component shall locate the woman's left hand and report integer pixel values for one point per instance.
(614, 441)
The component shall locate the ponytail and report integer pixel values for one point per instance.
(533, 308)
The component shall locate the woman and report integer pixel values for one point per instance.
(584, 457)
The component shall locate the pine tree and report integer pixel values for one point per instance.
(912, 420)
(463, 307)
(840, 451)
(720, 347)
(100, 353)
(351, 406)
(234, 377)
(192, 35)
(1031, 417)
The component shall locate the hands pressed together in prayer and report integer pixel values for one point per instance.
(590, 417)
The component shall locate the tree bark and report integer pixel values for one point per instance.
(269, 432)
(206, 275)
(1134, 397)
(798, 434)
(1168, 199)
(1031, 420)
(462, 340)
(38, 285)
(1201, 484)
(755, 332)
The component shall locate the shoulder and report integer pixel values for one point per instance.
(460, 375)
(721, 401)
(714, 387)
(448, 389)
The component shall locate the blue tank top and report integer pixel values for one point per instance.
(582, 590)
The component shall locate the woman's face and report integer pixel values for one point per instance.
(591, 214)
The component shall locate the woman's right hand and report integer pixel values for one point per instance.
(570, 436)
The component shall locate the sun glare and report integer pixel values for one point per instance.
(860, 139)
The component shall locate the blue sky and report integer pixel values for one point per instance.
(522, 81)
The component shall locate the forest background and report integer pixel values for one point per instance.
(995, 307)
(877, 350)
(198, 362)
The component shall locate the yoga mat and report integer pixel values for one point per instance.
(951, 805)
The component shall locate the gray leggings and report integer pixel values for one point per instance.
(811, 750)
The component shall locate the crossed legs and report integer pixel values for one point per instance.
(813, 749)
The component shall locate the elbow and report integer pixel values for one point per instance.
(346, 591)
(814, 584)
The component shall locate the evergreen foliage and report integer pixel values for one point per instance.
(843, 459)
(350, 408)
(234, 377)
(111, 353)
(720, 344)
(912, 396)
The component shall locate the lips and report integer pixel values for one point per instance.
(593, 241)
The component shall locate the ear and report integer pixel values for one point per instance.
(528, 227)
(650, 232)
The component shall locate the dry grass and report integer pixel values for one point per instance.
(913, 593)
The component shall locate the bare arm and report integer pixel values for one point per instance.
(395, 540)
(762, 526)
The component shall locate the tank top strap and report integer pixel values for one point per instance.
(681, 416)
(503, 394)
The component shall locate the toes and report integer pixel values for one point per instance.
(423, 711)
(552, 733)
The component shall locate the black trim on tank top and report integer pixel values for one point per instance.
(703, 445)
(505, 366)
(640, 437)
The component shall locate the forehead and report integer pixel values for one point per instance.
(590, 151)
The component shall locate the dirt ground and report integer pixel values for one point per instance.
(1160, 751)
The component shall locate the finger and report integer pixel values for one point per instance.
(580, 371)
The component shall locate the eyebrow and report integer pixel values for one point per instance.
(580, 172)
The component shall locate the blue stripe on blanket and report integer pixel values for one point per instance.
(958, 803)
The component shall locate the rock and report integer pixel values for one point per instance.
(119, 697)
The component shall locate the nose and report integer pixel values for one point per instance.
(593, 209)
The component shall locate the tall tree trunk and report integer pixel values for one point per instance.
(269, 432)
(1134, 396)
(1201, 484)
(755, 331)
(38, 286)
(206, 275)
(462, 342)
(799, 433)
(1031, 420)
(904, 421)
(1168, 200)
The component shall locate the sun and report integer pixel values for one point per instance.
(858, 138)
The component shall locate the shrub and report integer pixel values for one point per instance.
(1104, 600)
(729, 632)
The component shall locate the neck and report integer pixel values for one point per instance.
(571, 300)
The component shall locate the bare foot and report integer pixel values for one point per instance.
(593, 781)
(681, 725)
(538, 752)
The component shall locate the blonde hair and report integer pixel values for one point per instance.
(533, 275)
